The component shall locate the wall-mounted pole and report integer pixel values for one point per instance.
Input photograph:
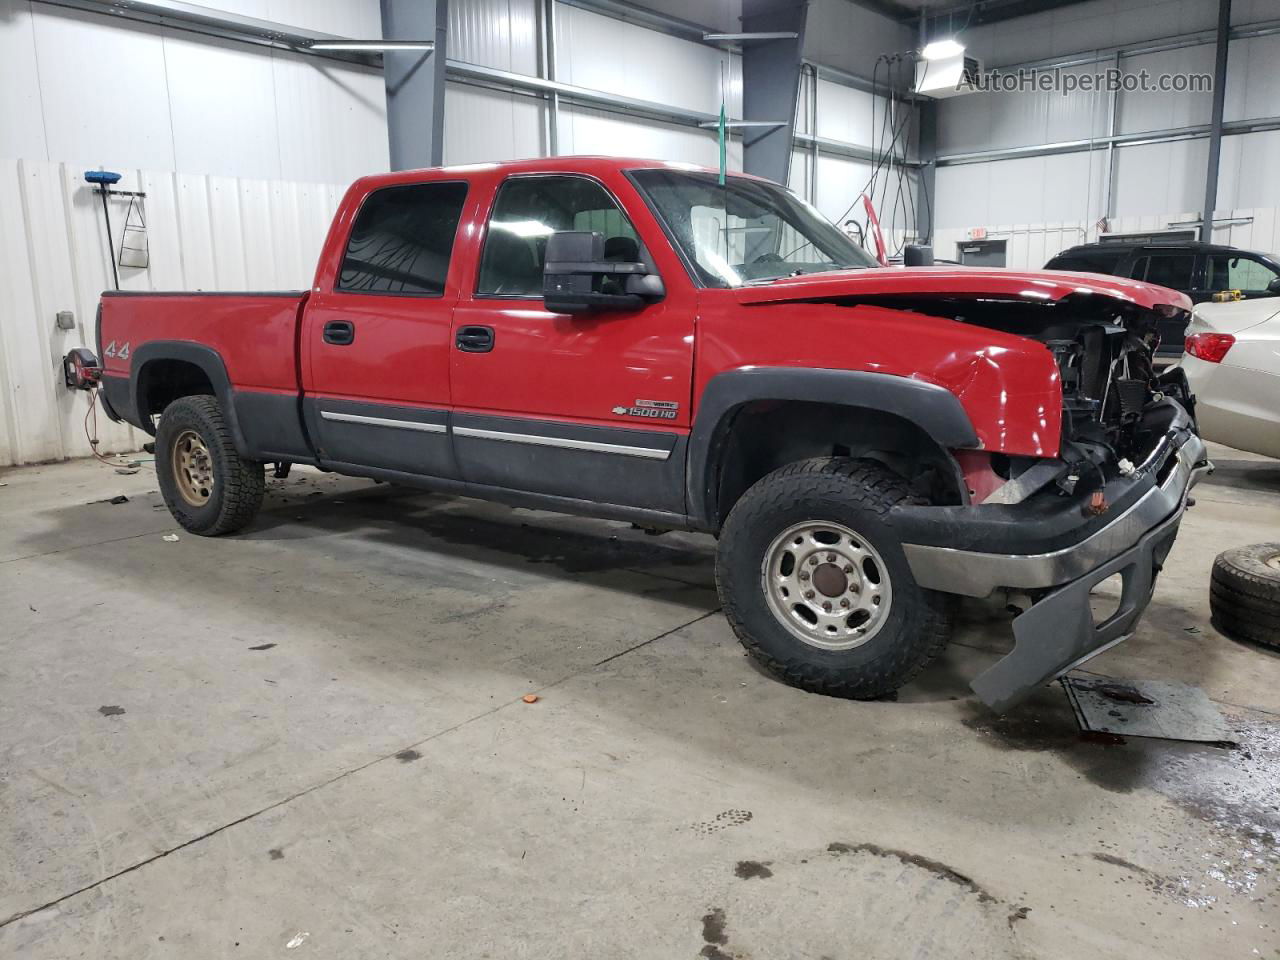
(415, 82)
(111, 244)
(927, 155)
(1113, 125)
(547, 66)
(926, 152)
(1215, 124)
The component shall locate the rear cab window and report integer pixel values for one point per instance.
(402, 240)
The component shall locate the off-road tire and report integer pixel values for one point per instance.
(1244, 593)
(239, 484)
(859, 495)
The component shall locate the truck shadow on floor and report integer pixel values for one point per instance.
(494, 532)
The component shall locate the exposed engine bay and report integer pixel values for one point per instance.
(1104, 349)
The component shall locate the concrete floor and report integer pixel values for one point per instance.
(309, 740)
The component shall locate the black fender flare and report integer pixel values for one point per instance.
(934, 409)
(208, 360)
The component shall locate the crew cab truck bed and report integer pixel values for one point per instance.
(629, 339)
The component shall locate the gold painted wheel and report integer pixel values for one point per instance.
(193, 468)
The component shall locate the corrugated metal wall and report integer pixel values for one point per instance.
(592, 51)
(204, 233)
(1149, 179)
(127, 94)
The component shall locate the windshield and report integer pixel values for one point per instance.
(746, 231)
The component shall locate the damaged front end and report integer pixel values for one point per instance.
(1053, 529)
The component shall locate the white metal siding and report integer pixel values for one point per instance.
(990, 121)
(1092, 26)
(127, 94)
(1253, 80)
(1036, 189)
(1249, 175)
(1159, 177)
(1153, 110)
(205, 233)
(495, 33)
(603, 53)
(583, 130)
(481, 125)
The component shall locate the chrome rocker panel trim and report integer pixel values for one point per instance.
(384, 422)
(596, 446)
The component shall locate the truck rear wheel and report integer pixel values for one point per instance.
(1244, 593)
(206, 484)
(816, 586)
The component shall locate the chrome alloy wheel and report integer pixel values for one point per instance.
(193, 468)
(826, 585)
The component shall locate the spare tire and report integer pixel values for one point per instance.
(1244, 593)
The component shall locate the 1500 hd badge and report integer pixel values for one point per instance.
(650, 410)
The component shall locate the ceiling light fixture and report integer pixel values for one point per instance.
(941, 49)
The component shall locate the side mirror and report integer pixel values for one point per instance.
(917, 255)
(576, 277)
(1273, 287)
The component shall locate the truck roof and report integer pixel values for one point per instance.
(592, 165)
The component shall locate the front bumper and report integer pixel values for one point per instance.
(1132, 539)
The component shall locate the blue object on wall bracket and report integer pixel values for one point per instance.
(102, 177)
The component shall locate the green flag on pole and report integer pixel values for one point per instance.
(724, 153)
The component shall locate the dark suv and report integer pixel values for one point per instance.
(1197, 269)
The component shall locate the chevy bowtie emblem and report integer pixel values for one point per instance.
(650, 410)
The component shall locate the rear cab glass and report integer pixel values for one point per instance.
(402, 240)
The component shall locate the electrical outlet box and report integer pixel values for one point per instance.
(66, 320)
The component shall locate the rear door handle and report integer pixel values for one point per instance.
(340, 333)
(475, 339)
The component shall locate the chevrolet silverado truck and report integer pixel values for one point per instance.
(634, 340)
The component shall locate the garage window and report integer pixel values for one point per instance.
(402, 240)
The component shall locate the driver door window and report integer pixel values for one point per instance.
(527, 211)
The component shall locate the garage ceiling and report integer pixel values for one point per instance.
(944, 15)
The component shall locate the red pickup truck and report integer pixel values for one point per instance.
(631, 339)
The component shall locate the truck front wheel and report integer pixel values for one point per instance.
(206, 484)
(816, 586)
